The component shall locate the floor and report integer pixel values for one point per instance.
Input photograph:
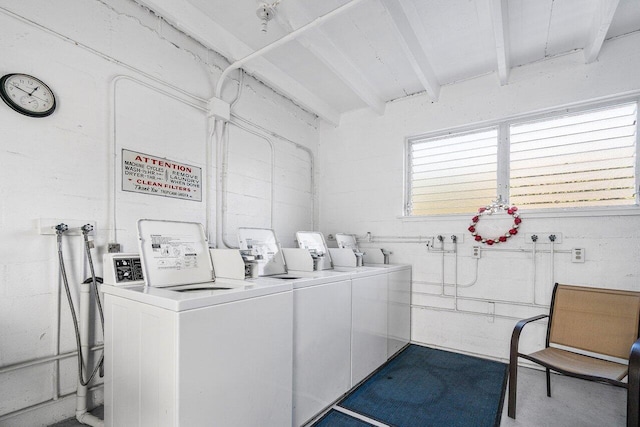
(574, 403)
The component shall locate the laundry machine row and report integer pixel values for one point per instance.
(183, 349)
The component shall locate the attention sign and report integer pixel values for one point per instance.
(142, 173)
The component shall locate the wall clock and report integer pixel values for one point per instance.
(27, 95)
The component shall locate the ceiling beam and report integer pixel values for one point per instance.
(602, 18)
(407, 29)
(498, 10)
(196, 24)
(323, 48)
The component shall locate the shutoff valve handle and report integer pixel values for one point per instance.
(61, 228)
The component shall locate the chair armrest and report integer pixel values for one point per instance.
(515, 336)
(633, 382)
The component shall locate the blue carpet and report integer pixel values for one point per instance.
(424, 387)
(338, 419)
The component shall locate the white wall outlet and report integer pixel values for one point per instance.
(48, 226)
(577, 255)
(475, 252)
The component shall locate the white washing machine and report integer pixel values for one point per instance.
(182, 350)
(398, 293)
(321, 321)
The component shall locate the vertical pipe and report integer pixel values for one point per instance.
(81, 394)
(533, 268)
(455, 274)
(219, 135)
(442, 291)
(224, 174)
(56, 339)
(552, 256)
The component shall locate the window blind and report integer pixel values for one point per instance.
(584, 159)
(452, 174)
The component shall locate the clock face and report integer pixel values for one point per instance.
(27, 95)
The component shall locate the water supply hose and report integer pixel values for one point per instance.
(60, 229)
(86, 229)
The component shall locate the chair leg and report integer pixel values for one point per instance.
(548, 382)
(633, 387)
(632, 408)
(513, 384)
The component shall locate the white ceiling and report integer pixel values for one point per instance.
(369, 52)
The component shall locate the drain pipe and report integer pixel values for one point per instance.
(82, 414)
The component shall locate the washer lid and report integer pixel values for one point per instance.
(264, 245)
(173, 253)
(347, 241)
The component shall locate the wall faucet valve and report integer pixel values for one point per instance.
(61, 228)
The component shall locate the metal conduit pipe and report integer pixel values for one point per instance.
(236, 118)
(380, 240)
(466, 285)
(455, 272)
(533, 268)
(475, 279)
(401, 238)
(285, 39)
(218, 123)
(450, 310)
(552, 251)
(43, 360)
(442, 272)
(479, 299)
(199, 104)
(224, 179)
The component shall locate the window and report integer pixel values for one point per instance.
(585, 159)
(574, 159)
(453, 174)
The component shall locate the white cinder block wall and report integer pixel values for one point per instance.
(123, 79)
(361, 190)
(63, 167)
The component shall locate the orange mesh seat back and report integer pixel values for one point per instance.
(603, 321)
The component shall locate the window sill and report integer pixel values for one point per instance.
(539, 213)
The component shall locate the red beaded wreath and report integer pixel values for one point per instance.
(511, 210)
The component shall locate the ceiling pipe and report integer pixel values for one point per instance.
(221, 110)
(285, 39)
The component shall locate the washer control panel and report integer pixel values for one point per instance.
(123, 269)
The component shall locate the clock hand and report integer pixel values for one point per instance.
(18, 87)
(34, 90)
(33, 96)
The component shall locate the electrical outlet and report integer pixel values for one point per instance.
(475, 253)
(543, 238)
(48, 226)
(113, 248)
(577, 255)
